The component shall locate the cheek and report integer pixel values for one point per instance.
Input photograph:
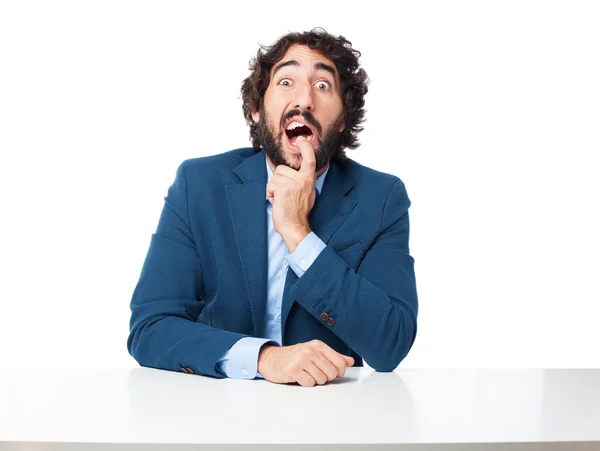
(275, 118)
(334, 110)
(275, 104)
(330, 121)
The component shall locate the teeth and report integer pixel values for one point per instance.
(294, 125)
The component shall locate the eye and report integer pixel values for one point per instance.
(323, 85)
(285, 82)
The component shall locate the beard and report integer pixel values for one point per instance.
(272, 141)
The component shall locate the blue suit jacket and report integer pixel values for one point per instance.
(203, 285)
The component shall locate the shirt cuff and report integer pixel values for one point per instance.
(241, 361)
(305, 254)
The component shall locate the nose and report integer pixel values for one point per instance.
(304, 98)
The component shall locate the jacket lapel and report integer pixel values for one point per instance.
(247, 209)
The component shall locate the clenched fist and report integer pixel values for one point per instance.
(292, 194)
(308, 364)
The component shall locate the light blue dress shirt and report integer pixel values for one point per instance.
(241, 361)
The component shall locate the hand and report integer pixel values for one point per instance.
(309, 364)
(292, 194)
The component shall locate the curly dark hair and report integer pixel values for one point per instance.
(353, 87)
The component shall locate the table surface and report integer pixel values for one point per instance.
(407, 406)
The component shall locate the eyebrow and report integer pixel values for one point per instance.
(318, 66)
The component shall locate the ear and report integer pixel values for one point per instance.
(342, 127)
(255, 116)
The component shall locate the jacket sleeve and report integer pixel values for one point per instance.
(166, 303)
(374, 309)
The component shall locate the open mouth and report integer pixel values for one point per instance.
(296, 129)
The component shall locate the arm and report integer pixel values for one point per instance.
(241, 361)
(164, 332)
(375, 309)
(305, 254)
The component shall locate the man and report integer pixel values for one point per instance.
(297, 287)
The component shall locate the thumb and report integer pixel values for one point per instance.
(349, 360)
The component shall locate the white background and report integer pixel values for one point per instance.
(489, 112)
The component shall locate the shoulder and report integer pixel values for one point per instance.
(205, 174)
(212, 164)
(369, 178)
(379, 190)
(212, 171)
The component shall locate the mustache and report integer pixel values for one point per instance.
(307, 115)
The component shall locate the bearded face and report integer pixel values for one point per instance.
(274, 139)
(302, 98)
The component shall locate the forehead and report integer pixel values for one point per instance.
(306, 57)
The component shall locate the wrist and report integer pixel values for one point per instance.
(263, 356)
(294, 237)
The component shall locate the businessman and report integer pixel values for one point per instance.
(286, 260)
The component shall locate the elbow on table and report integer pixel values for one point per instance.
(389, 360)
(387, 364)
(133, 344)
(136, 343)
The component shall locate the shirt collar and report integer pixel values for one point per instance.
(318, 183)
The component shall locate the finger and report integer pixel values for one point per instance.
(285, 171)
(309, 163)
(289, 173)
(337, 359)
(271, 188)
(282, 179)
(279, 184)
(315, 372)
(305, 379)
(325, 365)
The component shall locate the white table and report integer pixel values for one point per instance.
(143, 408)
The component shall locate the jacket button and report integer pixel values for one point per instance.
(331, 321)
(324, 316)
